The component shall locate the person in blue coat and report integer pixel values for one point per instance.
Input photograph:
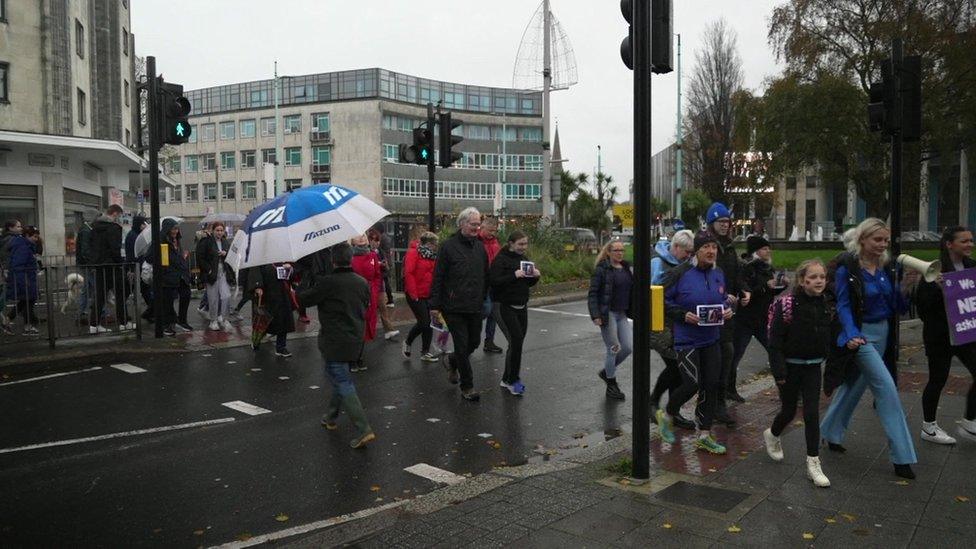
(22, 276)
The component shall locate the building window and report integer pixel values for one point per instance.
(3, 10)
(207, 132)
(209, 162)
(321, 156)
(269, 156)
(193, 137)
(478, 132)
(82, 107)
(227, 130)
(292, 184)
(791, 183)
(228, 190)
(128, 138)
(79, 37)
(227, 160)
(293, 156)
(268, 127)
(249, 190)
(247, 128)
(192, 163)
(126, 91)
(391, 153)
(4, 71)
(320, 122)
(177, 195)
(193, 193)
(530, 134)
(209, 192)
(247, 159)
(174, 164)
(293, 123)
(125, 41)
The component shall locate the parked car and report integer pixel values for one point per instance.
(578, 238)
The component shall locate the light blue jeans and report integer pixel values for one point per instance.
(619, 339)
(873, 374)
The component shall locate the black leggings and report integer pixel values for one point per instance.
(514, 324)
(801, 379)
(421, 310)
(701, 372)
(669, 380)
(26, 308)
(940, 360)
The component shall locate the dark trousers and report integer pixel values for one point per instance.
(727, 351)
(108, 278)
(940, 360)
(742, 335)
(244, 299)
(465, 330)
(700, 373)
(514, 324)
(801, 380)
(668, 381)
(388, 288)
(25, 307)
(421, 311)
(490, 323)
(170, 295)
(147, 296)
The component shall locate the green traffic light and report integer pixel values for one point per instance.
(180, 130)
(424, 153)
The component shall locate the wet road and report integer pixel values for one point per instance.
(150, 455)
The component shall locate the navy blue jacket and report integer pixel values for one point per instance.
(600, 296)
(686, 287)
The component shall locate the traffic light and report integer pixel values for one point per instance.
(422, 147)
(911, 98)
(627, 45)
(881, 102)
(448, 155)
(174, 128)
(662, 14)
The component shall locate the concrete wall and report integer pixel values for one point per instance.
(21, 46)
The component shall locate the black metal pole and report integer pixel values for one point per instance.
(642, 238)
(431, 166)
(894, 195)
(152, 105)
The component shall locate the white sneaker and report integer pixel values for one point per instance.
(933, 433)
(391, 335)
(214, 326)
(773, 445)
(226, 325)
(815, 473)
(967, 428)
(97, 329)
(128, 326)
(405, 349)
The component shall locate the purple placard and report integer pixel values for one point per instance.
(960, 302)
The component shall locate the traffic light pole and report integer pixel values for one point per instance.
(641, 444)
(894, 195)
(152, 121)
(431, 166)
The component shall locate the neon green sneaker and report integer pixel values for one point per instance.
(709, 444)
(664, 427)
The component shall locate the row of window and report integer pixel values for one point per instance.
(417, 188)
(246, 129)
(468, 131)
(207, 162)
(478, 161)
(80, 37)
(228, 191)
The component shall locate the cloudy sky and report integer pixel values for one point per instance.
(213, 42)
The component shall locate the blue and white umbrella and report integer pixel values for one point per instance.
(301, 222)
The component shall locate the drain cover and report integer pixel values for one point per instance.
(717, 500)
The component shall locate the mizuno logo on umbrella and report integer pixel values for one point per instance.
(320, 232)
(269, 217)
(335, 194)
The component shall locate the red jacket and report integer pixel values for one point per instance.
(418, 273)
(492, 246)
(368, 267)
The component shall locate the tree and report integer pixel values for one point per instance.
(716, 78)
(589, 209)
(694, 205)
(567, 188)
(659, 207)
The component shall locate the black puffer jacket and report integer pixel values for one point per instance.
(460, 276)
(178, 268)
(728, 261)
(601, 291)
(801, 328)
(106, 247)
(930, 305)
(209, 260)
(757, 273)
(505, 287)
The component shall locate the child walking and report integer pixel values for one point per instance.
(799, 342)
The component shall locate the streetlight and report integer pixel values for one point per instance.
(279, 153)
(504, 159)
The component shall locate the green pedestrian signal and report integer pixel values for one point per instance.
(419, 151)
(174, 109)
(180, 130)
(424, 153)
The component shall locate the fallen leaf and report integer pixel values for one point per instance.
(712, 469)
(734, 529)
(830, 520)
(849, 517)
(198, 532)
(901, 482)
(281, 517)
(666, 525)
(244, 536)
(862, 532)
(496, 445)
(374, 488)
(808, 535)
(962, 499)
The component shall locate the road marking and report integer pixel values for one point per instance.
(49, 376)
(484, 435)
(432, 473)
(311, 527)
(283, 378)
(118, 435)
(246, 408)
(313, 386)
(433, 419)
(128, 368)
(550, 311)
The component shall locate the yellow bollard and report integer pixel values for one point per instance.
(164, 255)
(657, 308)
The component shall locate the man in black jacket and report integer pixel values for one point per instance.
(458, 294)
(342, 298)
(106, 257)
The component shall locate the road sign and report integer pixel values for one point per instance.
(626, 214)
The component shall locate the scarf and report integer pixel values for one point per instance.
(426, 252)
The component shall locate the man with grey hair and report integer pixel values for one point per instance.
(458, 294)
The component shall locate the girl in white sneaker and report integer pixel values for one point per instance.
(799, 341)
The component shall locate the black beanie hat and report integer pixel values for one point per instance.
(753, 243)
(702, 238)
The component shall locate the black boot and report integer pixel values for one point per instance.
(613, 390)
(904, 470)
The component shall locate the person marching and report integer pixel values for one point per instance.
(955, 248)
(271, 285)
(489, 238)
(511, 276)
(217, 276)
(799, 341)
(868, 305)
(610, 301)
(366, 263)
(418, 275)
(342, 298)
(22, 277)
(666, 257)
(175, 279)
(694, 287)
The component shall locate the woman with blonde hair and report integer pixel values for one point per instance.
(609, 301)
(864, 355)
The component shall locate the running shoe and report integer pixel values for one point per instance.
(664, 426)
(427, 357)
(362, 441)
(391, 335)
(329, 424)
(283, 353)
(774, 447)
(490, 347)
(933, 433)
(184, 326)
(709, 444)
(30, 330)
(517, 388)
(405, 349)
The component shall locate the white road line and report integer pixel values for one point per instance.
(430, 472)
(118, 435)
(50, 376)
(246, 408)
(310, 527)
(128, 368)
(550, 311)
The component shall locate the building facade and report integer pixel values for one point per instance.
(346, 127)
(68, 113)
